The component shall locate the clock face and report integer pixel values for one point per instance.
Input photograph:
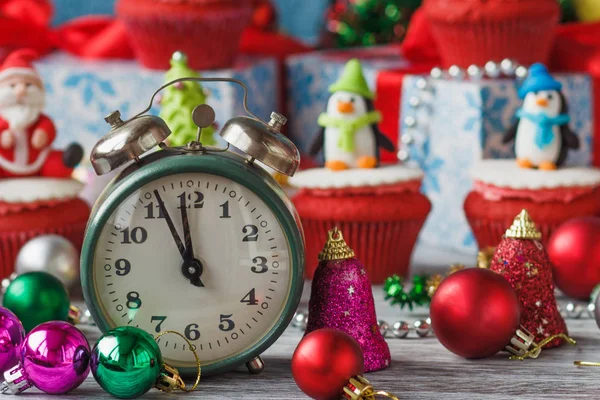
(223, 282)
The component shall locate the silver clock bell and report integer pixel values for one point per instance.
(262, 141)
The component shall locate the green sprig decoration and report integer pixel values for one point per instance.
(368, 22)
(417, 296)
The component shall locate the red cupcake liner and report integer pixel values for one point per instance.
(477, 31)
(384, 248)
(490, 219)
(209, 37)
(67, 219)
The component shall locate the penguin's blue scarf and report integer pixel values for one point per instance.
(543, 135)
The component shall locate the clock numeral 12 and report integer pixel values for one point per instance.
(250, 298)
(198, 201)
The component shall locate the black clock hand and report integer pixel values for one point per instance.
(174, 233)
(186, 232)
(190, 268)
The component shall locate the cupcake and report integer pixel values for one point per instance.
(208, 31)
(501, 190)
(380, 211)
(31, 207)
(477, 31)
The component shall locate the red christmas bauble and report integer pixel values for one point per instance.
(574, 251)
(324, 361)
(474, 313)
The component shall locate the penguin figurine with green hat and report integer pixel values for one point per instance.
(542, 135)
(349, 135)
(179, 100)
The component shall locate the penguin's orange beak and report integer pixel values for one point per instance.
(542, 102)
(345, 107)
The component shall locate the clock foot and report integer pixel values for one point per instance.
(256, 365)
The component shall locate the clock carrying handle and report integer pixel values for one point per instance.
(244, 101)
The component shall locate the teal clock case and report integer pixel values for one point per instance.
(229, 165)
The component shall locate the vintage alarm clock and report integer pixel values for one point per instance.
(197, 240)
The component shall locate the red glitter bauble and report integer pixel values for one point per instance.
(574, 251)
(324, 361)
(526, 266)
(474, 313)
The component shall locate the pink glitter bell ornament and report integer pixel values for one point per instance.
(55, 358)
(341, 298)
(11, 337)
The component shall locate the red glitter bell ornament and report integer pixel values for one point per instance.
(574, 251)
(522, 260)
(328, 365)
(342, 299)
(475, 313)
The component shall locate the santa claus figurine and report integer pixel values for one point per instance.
(26, 135)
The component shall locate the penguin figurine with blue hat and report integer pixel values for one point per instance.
(542, 135)
(349, 135)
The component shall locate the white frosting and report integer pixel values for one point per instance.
(507, 174)
(323, 178)
(23, 190)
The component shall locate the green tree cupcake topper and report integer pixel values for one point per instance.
(178, 102)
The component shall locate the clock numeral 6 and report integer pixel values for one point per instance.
(191, 332)
(161, 319)
(122, 266)
(136, 235)
(226, 324)
(250, 298)
(260, 262)
(133, 300)
(251, 232)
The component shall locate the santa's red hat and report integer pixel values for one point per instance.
(19, 63)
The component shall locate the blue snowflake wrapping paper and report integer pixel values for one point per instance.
(309, 77)
(80, 93)
(461, 122)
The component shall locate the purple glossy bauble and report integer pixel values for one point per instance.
(55, 356)
(11, 337)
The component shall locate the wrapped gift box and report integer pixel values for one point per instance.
(308, 79)
(459, 122)
(80, 93)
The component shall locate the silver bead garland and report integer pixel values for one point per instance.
(399, 329)
(506, 68)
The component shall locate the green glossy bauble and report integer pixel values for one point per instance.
(126, 362)
(37, 297)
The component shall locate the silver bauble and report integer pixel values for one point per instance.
(384, 327)
(50, 253)
(456, 72)
(508, 67)
(437, 73)
(597, 311)
(521, 72)
(300, 320)
(422, 327)
(400, 329)
(474, 72)
(492, 70)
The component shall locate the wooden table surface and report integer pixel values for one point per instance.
(421, 368)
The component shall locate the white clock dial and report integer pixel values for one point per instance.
(238, 246)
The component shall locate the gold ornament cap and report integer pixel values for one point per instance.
(523, 227)
(335, 247)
